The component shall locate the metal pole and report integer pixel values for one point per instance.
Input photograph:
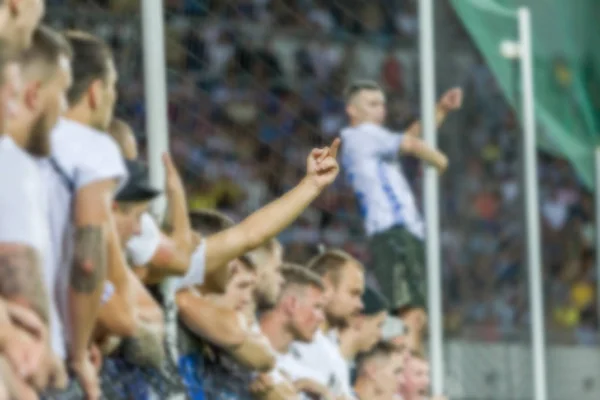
(597, 232)
(532, 213)
(431, 196)
(157, 131)
(155, 84)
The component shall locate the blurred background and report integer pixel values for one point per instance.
(253, 85)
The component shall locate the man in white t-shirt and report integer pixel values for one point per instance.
(46, 74)
(371, 161)
(343, 277)
(20, 353)
(82, 175)
(296, 318)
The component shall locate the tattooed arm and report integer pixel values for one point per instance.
(92, 216)
(21, 278)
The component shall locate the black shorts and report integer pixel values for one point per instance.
(398, 259)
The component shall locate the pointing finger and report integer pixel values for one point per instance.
(335, 146)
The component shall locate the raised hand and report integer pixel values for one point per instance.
(452, 99)
(322, 167)
(173, 179)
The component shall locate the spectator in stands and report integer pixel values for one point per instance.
(155, 254)
(296, 318)
(46, 73)
(18, 20)
(226, 245)
(82, 175)
(239, 291)
(378, 372)
(343, 277)
(145, 346)
(415, 385)
(366, 329)
(24, 234)
(16, 358)
(237, 348)
(268, 259)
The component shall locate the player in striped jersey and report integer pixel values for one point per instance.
(371, 160)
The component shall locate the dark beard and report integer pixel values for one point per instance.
(336, 322)
(39, 138)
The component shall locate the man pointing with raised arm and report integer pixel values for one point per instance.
(371, 160)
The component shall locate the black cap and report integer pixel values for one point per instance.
(373, 302)
(138, 187)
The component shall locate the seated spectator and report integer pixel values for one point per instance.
(343, 277)
(378, 372)
(296, 318)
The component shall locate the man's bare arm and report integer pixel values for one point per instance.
(270, 220)
(418, 148)
(180, 234)
(21, 279)
(255, 353)
(216, 324)
(450, 101)
(88, 272)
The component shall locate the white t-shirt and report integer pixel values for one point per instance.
(141, 248)
(370, 159)
(23, 210)
(80, 156)
(323, 357)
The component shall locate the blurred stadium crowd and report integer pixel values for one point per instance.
(230, 319)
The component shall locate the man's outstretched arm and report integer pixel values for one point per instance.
(322, 169)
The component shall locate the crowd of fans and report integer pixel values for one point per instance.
(260, 100)
(92, 285)
(100, 300)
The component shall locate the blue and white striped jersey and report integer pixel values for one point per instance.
(370, 159)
